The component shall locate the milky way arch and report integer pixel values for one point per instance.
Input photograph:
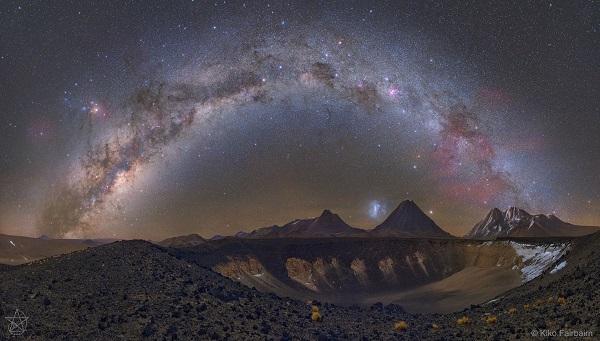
(162, 112)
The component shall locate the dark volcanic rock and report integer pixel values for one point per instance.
(134, 289)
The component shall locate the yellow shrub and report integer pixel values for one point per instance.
(435, 326)
(315, 314)
(561, 301)
(550, 299)
(491, 319)
(400, 326)
(463, 321)
(526, 306)
(512, 311)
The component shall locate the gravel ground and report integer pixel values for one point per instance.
(136, 290)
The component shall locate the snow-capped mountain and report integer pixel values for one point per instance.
(408, 220)
(516, 222)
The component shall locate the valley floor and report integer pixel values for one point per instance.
(454, 293)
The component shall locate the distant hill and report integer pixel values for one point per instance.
(183, 241)
(18, 250)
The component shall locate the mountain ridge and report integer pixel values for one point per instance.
(516, 222)
(406, 221)
(328, 224)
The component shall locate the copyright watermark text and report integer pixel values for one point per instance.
(561, 333)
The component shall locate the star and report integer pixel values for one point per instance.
(18, 323)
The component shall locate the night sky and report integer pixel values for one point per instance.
(147, 119)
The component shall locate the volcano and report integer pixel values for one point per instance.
(516, 222)
(328, 224)
(408, 220)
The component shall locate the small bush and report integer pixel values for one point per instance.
(491, 319)
(512, 311)
(400, 326)
(526, 306)
(435, 326)
(463, 321)
(315, 314)
(561, 301)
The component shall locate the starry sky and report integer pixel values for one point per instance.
(149, 119)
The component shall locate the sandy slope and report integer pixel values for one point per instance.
(456, 292)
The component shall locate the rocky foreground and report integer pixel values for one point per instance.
(134, 289)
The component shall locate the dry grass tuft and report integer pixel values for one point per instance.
(315, 314)
(463, 321)
(491, 319)
(400, 326)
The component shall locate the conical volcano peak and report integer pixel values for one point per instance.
(410, 221)
(328, 217)
(407, 207)
(408, 204)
